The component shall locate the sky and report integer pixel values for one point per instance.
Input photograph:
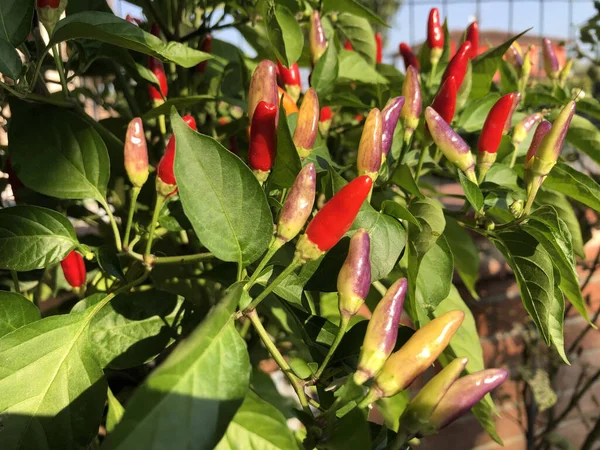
(494, 15)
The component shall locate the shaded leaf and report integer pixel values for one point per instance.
(15, 312)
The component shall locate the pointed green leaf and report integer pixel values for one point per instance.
(16, 312)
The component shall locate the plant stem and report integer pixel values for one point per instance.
(160, 201)
(182, 259)
(135, 192)
(281, 362)
(288, 270)
(380, 287)
(344, 321)
(406, 143)
(113, 224)
(513, 158)
(273, 247)
(371, 396)
(61, 70)
(420, 163)
(15, 279)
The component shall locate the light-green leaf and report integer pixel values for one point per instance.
(16, 17)
(107, 27)
(563, 178)
(399, 211)
(472, 192)
(15, 312)
(352, 7)
(326, 71)
(200, 386)
(221, 197)
(115, 412)
(65, 157)
(354, 68)
(285, 35)
(466, 255)
(585, 136)
(257, 425)
(33, 238)
(475, 112)
(358, 30)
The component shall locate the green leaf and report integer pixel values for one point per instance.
(231, 217)
(354, 68)
(10, 62)
(325, 73)
(552, 232)
(466, 255)
(115, 412)
(585, 136)
(475, 113)
(472, 192)
(179, 103)
(430, 214)
(391, 408)
(434, 277)
(107, 27)
(285, 35)
(352, 7)
(33, 238)
(403, 177)
(15, 312)
(16, 17)
(589, 106)
(257, 425)
(563, 178)
(287, 163)
(555, 324)
(132, 328)
(64, 158)
(200, 386)
(351, 432)
(53, 389)
(359, 32)
(395, 209)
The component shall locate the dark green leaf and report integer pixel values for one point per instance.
(466, 255)
(351, 432)
(577, 185)
(231, 217)
(204, 381)
(10, 62)
(584, 135)
(16, 17)
(475, 112)
(395, 209)
(285, 35)
(33, 238)
(107, 27)
(64, 158)
(403, 177)
(287, 163)
(352, 7)
(359, 32)
(15, 312)
(472, 192)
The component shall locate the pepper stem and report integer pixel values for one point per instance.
(371, 397)
(160, 201)
(273, 247)
(271, 287)
(513, 158)
(113, 224)
(135, 192)
(344, 321)
(61, 70)
(420, 163)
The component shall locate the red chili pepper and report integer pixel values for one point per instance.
(473, 38)
(206, 47)
(458, 65)
(409, 57)
(50, 3)
(326, 114)
(435, 33)
(336, 217)
(379, 44)
(491, 134)
(289, 77)
(444, 102)
(158, 69)
(164, 169)
(155, 29)
(74, 269)
(348, 45)
(263, 144)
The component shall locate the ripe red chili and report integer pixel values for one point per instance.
(473, 38)
(164, 169)
(158, 69)
(444, 102)
(289, 77)
(379, 44)
(74, 269)
(325, 114)
(348, 45)
(409, 57)
(51, 3)
(491, 134)
(206, 47)
(336, 217)
(458, 65)
(263, 144)
(435, 33)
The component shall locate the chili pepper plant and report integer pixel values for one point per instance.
(201, 243)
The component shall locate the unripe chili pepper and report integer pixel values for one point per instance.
(564, 73)
(306, 131)
(524, 126)
(298, 205)
(354, 278)
(158, 69)
(368, 161)
(263, 86)
(74, 269)
(136, 153)
(472, 36)
(289, 105)
(444, 102)
(550, 60)
(414, 357)
(316, 37)
(533, 180)
(435, 36)
(408, 56)
(411, 91)
(541, 130)
(551, 145)
(458, 65)
(454, 148)
(166, 185)
(382, 332)
(206, 47)
(348, 45)
(390, 116)
(325, 117)
(379, 48)
(465, 393)
(415, 419)
(290, 80)
(263, 140)
(333, 220)
(513, 56)
(491, 134)
(49, 12)
(515, 105)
